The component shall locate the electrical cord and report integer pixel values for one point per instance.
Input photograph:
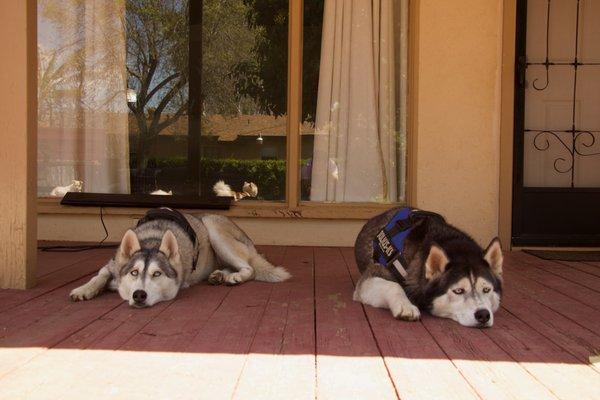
(76, 248)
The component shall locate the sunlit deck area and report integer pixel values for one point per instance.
(304, 338)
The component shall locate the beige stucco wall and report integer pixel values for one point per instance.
(456, 133)
(459, 67)
(293, 232)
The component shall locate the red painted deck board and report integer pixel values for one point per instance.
(544, 360)
(583, 267)
(574, 272)
(301, 339)
(60, 276)
(342, 331)
(407, 348)
(577, 311)
(572, 337)
(580, 294)
(281, 359)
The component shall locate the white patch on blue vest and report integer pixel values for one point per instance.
(400, 268)
(385, 245)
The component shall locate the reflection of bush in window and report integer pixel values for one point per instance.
(242, 89)
(244, 85)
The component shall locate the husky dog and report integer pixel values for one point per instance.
(248, 190)
(447, 274)
(168, 251)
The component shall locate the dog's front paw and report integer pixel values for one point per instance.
(233, 279)
(407, 312)
(82, 293)
(216, 277)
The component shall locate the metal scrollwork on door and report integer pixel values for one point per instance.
(578, 143)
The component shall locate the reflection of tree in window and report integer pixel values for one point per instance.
(263, 77)
(157, 66)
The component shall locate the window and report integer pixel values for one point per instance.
(354, 101)
(171, 96)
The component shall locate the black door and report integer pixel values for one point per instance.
(556, 182)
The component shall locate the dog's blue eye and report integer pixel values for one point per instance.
(486, 290)
(459, 291)
(134, 272)
(156, 274)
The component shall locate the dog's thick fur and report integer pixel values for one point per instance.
(155, 260)
(449, 275)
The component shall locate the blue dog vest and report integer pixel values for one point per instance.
(388, 245)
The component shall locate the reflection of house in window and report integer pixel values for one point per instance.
(268, 153)
(233, 137)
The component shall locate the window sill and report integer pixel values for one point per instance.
(242, 209)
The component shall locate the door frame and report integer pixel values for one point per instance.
(518, 236)
(507, 108)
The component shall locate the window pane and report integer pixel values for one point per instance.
(164, 96)
(354, 115)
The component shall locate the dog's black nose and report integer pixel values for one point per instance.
(482, 315)
(139, 296)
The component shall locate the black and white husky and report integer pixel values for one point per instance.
(446, 273)
(168, 251)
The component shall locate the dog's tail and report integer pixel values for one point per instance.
(222, 189)
(267, 272)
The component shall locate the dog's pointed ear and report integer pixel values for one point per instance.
(493, 256)
(436, 262)
(129, 245)
(169, 245)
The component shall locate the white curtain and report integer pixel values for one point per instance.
(359, 135)
(83, 115)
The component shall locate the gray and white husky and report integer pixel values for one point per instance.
(447, 274)
(158, 258)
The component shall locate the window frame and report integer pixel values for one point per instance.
(292, 206)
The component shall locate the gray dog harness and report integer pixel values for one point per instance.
(165, 213)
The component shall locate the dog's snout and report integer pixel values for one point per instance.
(139, 296)
(482, 315)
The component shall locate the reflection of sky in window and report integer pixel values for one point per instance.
(101, 93)
(46, 34)
(52, 39)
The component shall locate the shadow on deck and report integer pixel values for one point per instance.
(306, 337)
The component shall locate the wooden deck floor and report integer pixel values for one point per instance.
(303, 339)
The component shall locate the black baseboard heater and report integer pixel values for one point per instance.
(145, 201)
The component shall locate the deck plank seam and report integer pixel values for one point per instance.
(570, 297)
(269, 299)
(247, 353)
(473, 387)
(524, 292)
(59, 341)
(314, 296)
(592, 263)
(49, 291)
(87, 258)
(141, 327)
(377, 345)
(575, 265)
(559, 264)
(585, 362)
(563, 264)
(520, 364)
